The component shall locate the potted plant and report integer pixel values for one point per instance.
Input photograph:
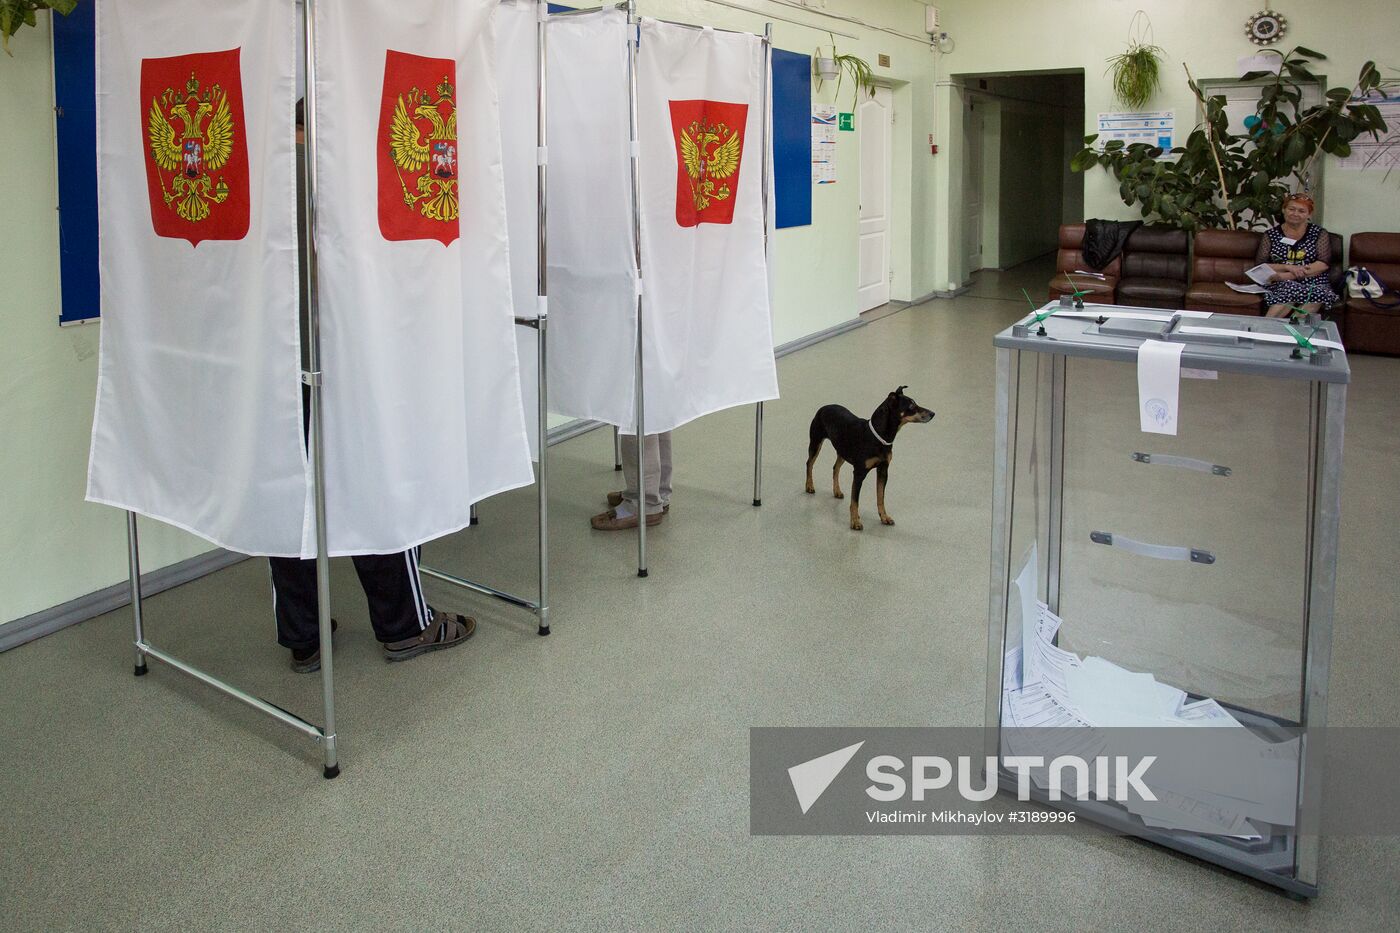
(1220, 179)
(838, 65)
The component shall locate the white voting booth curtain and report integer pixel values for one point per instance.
(707, 333)
(198, 416)
(423, 408)
(517, 78)
(198, 420)
(592, 252)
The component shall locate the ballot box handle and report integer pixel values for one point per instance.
(1158, 551)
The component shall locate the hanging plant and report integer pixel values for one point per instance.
(838, 65)
(17, 13)
(1137, 72)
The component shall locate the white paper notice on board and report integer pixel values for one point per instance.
(1153, 127)
(824, 144)
(1269, 63)
(1159, 385)
(1384, 153)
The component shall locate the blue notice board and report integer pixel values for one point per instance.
(792, 138)
(75, 109)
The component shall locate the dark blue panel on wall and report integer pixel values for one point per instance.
(792, 138)
(75, 101)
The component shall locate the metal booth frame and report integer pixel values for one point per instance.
(325, 734)
(633, 22)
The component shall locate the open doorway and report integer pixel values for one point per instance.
(1020, 130)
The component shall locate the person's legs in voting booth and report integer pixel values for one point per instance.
(403, 621)
(658, 467)
(623, 513)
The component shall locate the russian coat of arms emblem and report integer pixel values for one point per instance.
(196, 157)
(418, 159)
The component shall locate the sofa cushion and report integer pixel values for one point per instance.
(1152, 292)
(1224, 255)
(1156, 266)
(1099, 290)
(1371, 330)
(1070, 258)
(1216, 296)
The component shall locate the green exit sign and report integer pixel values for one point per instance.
(847, 122)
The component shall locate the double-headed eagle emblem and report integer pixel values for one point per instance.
(711, 154)
(434, 193)
(196, 150)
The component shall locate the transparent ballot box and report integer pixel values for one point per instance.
(1169, 592)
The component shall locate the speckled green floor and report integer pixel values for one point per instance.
(598, 778)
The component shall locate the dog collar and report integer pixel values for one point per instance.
(877, 434)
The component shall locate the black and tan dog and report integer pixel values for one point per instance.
(866, 444)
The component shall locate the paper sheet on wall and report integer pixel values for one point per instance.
(1159, 385)
(1383, 153)
(824, 144)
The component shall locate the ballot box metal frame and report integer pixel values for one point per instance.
(1232, 344)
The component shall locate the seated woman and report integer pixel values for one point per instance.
(1300, 253)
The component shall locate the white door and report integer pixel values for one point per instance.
(972, 185)
(874, 125)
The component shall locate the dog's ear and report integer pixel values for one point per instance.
(900, 391)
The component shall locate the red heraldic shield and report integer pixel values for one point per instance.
(417, 145)
(709, 147)
(196, 146)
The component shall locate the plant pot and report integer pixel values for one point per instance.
(826, 68)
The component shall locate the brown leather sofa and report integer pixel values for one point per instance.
(1223, 256)
(1156, 263)
(1070, 258)
(1368, 329)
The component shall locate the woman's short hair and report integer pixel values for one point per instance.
(1301, 198)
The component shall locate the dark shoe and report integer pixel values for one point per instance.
(615, 499)
(608, 521)
(308, 660)
(445, 630)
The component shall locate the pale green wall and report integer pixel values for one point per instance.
(53, 546)
(994, 36)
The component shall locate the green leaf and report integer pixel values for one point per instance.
(1113, 145)
(63, 7)
(1089, 140)
(1083, 160)
(1301, 50)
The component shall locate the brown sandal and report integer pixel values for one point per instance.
(615, 499)
(445, 630)
(608, 521)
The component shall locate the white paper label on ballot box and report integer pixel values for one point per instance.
(1159, 383)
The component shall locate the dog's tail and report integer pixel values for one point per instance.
(816, 434)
